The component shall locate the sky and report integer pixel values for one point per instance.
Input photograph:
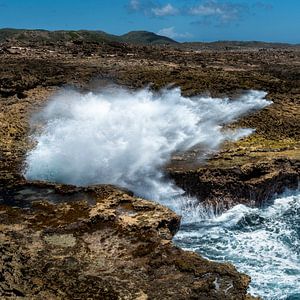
(185, 20)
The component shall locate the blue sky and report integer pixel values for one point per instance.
(186, 20)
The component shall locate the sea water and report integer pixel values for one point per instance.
(261, 242)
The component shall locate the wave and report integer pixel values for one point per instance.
(125, 137)
(262, 242)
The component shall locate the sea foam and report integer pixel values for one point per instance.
(125, 137)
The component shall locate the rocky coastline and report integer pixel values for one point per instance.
(101, 242)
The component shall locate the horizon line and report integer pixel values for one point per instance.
(143, 30)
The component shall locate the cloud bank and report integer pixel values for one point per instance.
(219, 12)
(208, 11)
(166, 10)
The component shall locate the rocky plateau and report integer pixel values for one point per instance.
(102, 242)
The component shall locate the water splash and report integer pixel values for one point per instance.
(264, 243)
(125, 137)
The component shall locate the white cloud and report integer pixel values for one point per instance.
(171, 33)
(134, 4)
(166, 10)
(203, 10)
(224, 12)
(210, 11)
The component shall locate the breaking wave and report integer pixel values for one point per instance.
(125, 137)
(262, 242)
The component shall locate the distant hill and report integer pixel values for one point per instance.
(235, 45)
(146, 37)
(133, 37)
(39, 35)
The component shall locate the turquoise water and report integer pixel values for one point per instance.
(261, 242)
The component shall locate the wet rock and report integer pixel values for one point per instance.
(251, 183)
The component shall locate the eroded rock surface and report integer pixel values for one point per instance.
(62, 242)
(249, 183)
(105, 244)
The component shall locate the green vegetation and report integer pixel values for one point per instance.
(135, 37)
(145, 37)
